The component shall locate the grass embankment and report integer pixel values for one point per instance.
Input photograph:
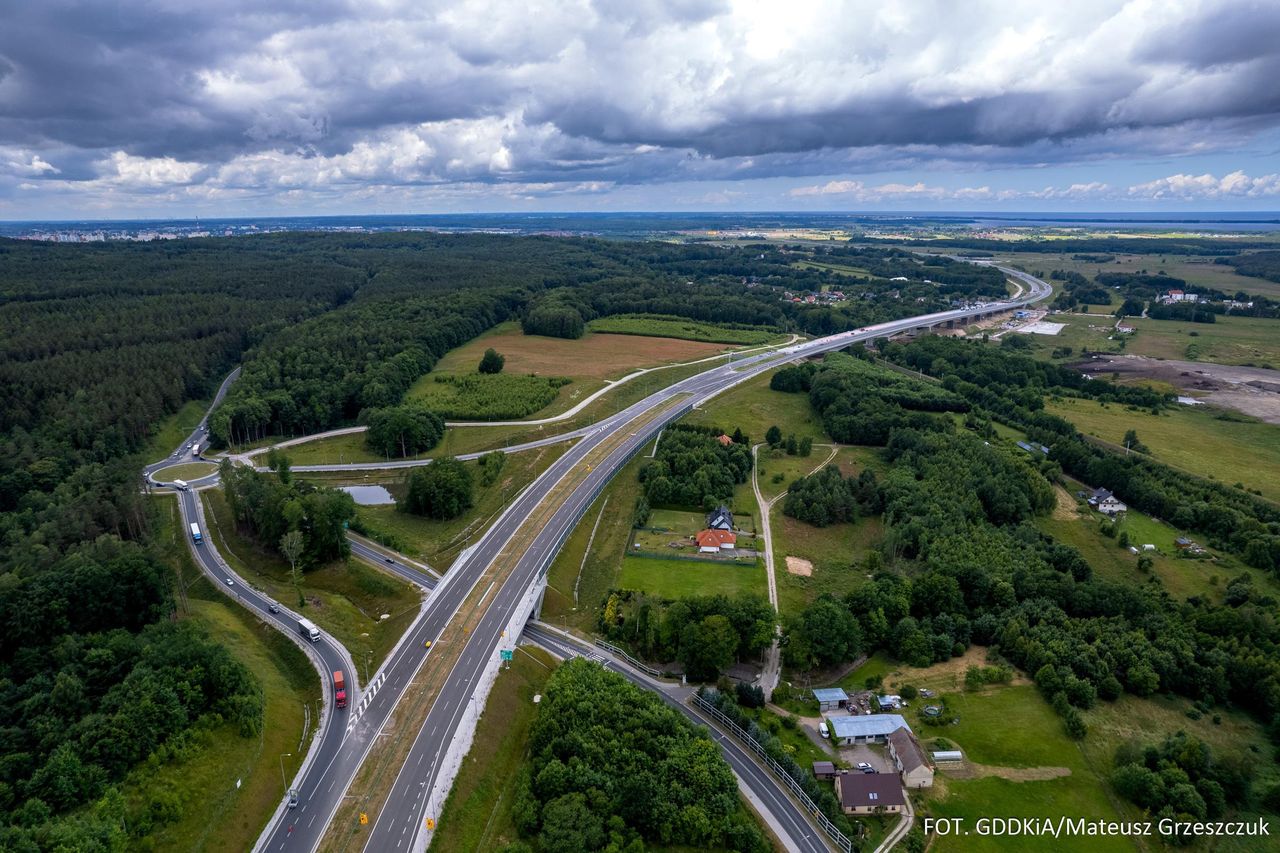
(593, 571)
(347, 599)
(1228, 447)
(439, 542)
(683, 578)
(171, 432)
(663, 326)
(477, 814)
(754, 407)
(188, 471)
(213, 814)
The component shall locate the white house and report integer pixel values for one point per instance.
(1111, 505)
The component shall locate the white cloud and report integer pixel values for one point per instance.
(1186, 187)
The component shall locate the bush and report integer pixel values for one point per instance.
(440, 490)
(492, 362)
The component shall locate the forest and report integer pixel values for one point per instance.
(270, 505)
(613, 768)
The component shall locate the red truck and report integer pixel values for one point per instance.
(339, 689)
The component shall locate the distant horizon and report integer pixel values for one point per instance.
(1244, 216)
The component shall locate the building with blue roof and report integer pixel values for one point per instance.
(870, 728)
(831, 698)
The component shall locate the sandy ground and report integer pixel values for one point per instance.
(799, 566)
(1252, 390)
(1065, 508)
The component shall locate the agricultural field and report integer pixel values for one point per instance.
(1230, 448)
(346, 599)
(588, 361)
(660, 326)
(438, 542)
(200, 780)
(478, 813)
(842, 269)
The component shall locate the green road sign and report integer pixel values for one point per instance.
(508, 654)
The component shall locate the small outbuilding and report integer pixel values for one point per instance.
(831, 698)
(824, 771)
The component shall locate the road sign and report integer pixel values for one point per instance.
(431, 823)
(364, 818)
(508, 654)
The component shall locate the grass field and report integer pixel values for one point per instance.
(1016, 738)
(347, 599)
(214, 815)
(1251, 341)
(682, 578)
(438, 543)
(754, 407)
(1195, 270)
(1234, 449)
(842, 269)
(1181, 577)
(172, 431)
(659, 326)
(835, 551)
(477, 814)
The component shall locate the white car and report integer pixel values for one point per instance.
(230, 582)
(865, 767)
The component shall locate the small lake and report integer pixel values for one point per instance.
(369, 495)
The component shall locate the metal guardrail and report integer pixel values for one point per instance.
(841, 840)
(614, 650)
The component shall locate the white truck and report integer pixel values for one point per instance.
(195, 534)
(195, 450)
(180, 485)
(309, 630)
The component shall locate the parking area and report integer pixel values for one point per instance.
(873, 755)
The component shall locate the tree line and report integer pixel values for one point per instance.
(693, 469)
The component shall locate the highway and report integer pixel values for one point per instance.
(324, 781)
(403, 815)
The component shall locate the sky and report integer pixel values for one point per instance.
(122, 109)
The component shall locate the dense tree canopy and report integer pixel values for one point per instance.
(693, 469)
(440, 490)
(614, 768)
(269, 506)
(405, 430)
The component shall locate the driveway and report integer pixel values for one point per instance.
(875, 755)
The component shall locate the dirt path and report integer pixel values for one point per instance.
(1013, 774)
(1252, 390)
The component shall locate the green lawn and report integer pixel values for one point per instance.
(682, 578)
(212, 813)
(438, 543)
(347, 599)
(171, 432)
(477, 814)
(877, 666)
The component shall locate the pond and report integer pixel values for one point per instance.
(369, 495)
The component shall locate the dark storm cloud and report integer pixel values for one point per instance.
(313, 96)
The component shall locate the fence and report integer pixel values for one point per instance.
(841, 840)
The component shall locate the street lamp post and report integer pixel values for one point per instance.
(284, 783)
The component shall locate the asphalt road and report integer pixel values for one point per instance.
(329, 656)
(183, 454)
(344, 748)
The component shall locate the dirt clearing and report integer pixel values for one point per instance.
(799, 566)
(1254, 391)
